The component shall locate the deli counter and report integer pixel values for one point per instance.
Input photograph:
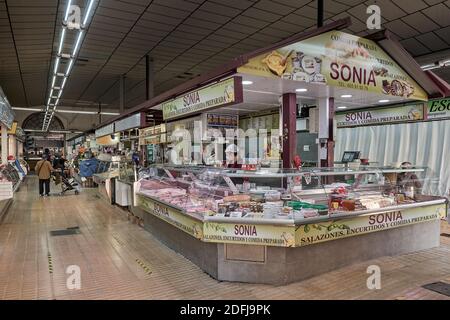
(278, 226)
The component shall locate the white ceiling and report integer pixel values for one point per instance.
(184, 37)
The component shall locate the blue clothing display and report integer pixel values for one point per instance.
(88, 167)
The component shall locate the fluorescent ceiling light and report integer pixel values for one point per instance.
(26, 109)
(113, 113)
(63, 83)
(53, 81)
(69, 67)
(77, 111)
(383, 100)
(77, 44)
(56, 65)
(346, 96)
(67, 10)
(301, 90)
(342, 107)
(61, 40)
(86, 16)
(247, 82)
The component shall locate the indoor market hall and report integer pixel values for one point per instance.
(224, 158)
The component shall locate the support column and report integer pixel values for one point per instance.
(99, 113)
(326, 132)
(149, 83)
(319, 13)
(122, 94)
(289, 128)
(4, 144)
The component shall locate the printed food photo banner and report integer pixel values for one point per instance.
(337, 59)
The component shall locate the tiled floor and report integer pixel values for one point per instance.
(113, 253)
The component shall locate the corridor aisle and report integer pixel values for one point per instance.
(120, 260)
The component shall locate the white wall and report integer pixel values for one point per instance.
(422, 143)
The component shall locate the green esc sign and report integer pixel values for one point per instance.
(438, 109)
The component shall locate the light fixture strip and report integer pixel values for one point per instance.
(77, 44)
(49, 112)
(67, 11)
(88, 12)
(55, 70)
(61, 41)
(63, 83)
(69, 67)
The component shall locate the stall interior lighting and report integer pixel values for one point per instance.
(346, 96)
(383, 101)
(342, 107)
(60, 76)
(301, 90)
(247, 82)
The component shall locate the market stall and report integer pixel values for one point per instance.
(264, 218)
(9, 175)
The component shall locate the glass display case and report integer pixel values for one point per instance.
(128, 172)
(284, 196)
(106, 170)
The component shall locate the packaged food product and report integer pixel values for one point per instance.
(237, 198)
(272, 195)
(309, 212)
(348, 204)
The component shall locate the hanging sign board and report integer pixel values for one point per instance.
(104, 131)
(337, 59)
(131, 122)
(438, 109)
(6, 113)
(389, 115)
(220, 94)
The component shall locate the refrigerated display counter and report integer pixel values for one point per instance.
(301, 224)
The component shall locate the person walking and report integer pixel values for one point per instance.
(43, 170)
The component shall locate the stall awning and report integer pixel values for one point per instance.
(382, 59)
